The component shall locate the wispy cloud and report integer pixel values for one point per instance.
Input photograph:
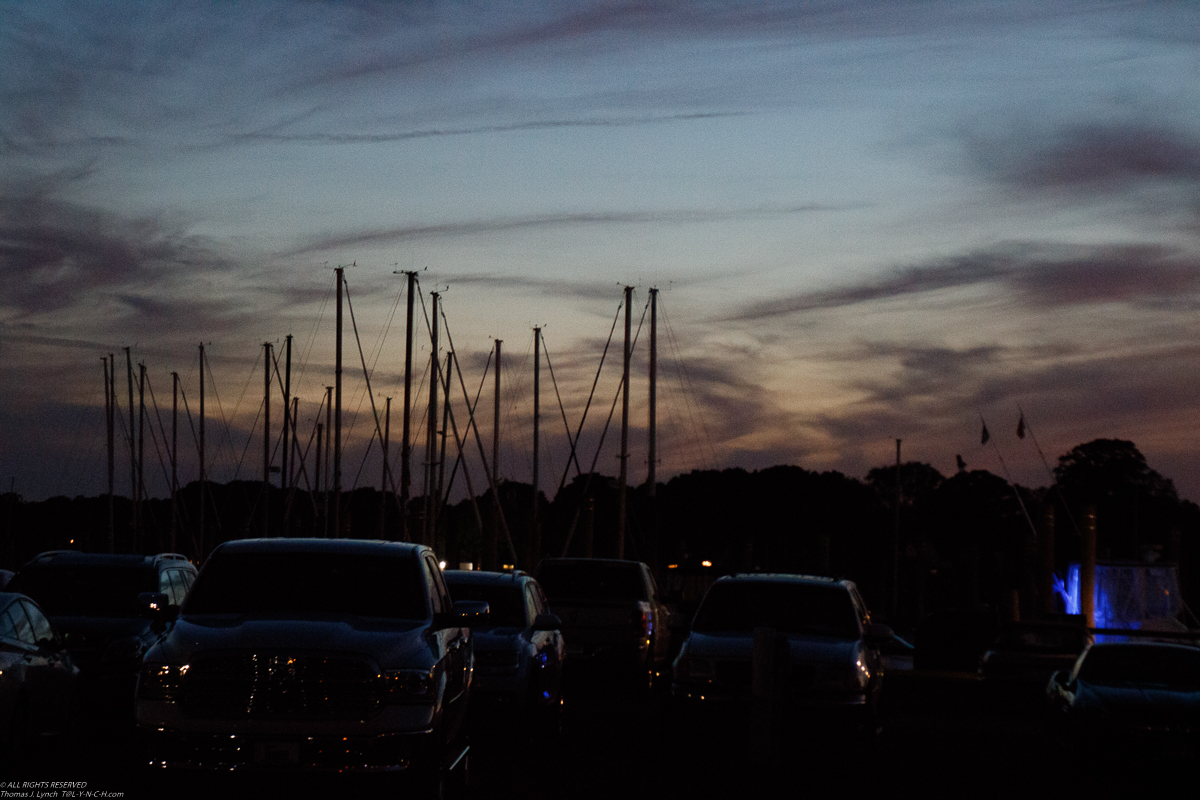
(1042, 276)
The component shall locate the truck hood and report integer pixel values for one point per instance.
(391, 644)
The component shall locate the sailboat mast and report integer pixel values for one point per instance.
(285, 472)
(110, 399)
(203, 471)
(431, 437)
(132, 444)
(383, 479)
(174, 459)
(337, 418)
(491, 554)
(652, 429)
(406, 443)
(266, 487)
(535, 545)
(624, 427)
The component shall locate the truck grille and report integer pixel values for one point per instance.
(281, 686)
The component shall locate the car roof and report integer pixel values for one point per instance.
(784, 577)
(364, 547)
(547, 561)
(74, 558)
(479, 577)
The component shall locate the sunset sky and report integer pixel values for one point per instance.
(867, 221)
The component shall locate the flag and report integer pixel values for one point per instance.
(962, 465)
(984, 435)
(1021, 427)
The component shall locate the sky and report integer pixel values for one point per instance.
(865, 222)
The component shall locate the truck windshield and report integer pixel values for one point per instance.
(786, 607)
(309, 583)
(592, 580)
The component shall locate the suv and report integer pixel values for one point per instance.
(303, 654)
(110, 609)
(613, 618)
(825, 646)
(518, 654)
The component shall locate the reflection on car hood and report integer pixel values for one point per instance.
(1137, 702)
(392, 644)
(496, 638)
(738, 645)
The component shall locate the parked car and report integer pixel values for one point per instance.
(37, 676)
(613, 618)
(314, 654)
(110, 610)
(829, 665)
(1025, 654)
(1128, 699)
(519, 652)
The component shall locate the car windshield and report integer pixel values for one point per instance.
(91, 590)
(1058, 640)
(506, 603)
(592, 580)
(787, 607)
(1142, 665)
(309, 583)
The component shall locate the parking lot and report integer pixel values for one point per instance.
(936, 734)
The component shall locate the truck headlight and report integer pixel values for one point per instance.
(161, 681)
(410, 685)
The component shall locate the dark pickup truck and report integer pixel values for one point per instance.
(613, 619)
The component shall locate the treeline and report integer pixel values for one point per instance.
(967, 541)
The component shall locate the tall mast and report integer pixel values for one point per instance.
(141, 476)
(110, 400)
(337, 418)
(133, 492)
(652, 431)
(441, 471)
(266, 462)
(493, 541)
(534, 533)
(284, 472)
(383, 480)
(317, 469)
(203, 471)
(431, 437)
(174, 459)
(328, 447)
(624, 428)
(406, 443)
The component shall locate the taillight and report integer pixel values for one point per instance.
(642, 621)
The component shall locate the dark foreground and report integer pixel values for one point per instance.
(937, 735)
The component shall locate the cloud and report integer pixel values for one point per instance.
(505, 224)
(1043, 276)
(1092, 157)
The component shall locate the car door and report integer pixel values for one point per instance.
(453, 645)
(53, 680)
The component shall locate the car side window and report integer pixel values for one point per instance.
(438, 594)
(8, 629)
(179, 588)
(539, 599)
(22, 629)
(164, 584)
(42, 630)
(531, 606)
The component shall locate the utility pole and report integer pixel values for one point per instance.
(535, 539)
(266, 488)
(624, 428)
(337, 418)
(431, 436)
